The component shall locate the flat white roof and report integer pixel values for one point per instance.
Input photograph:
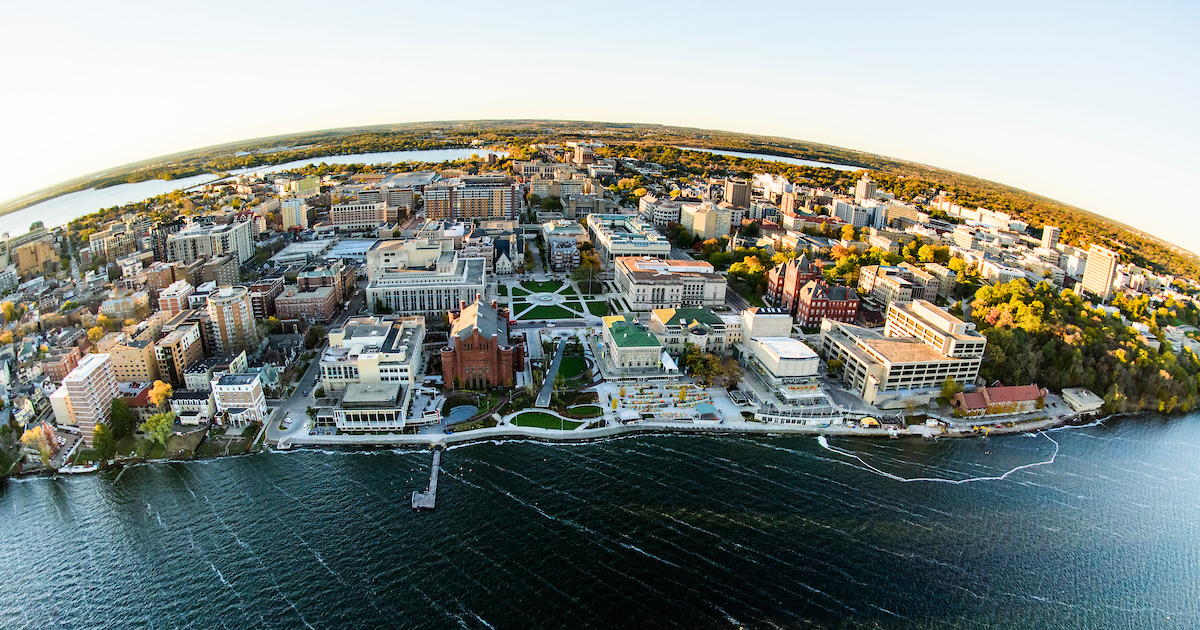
(787, 348)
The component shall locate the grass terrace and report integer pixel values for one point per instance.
(550, 286)
(587, 411)
(517, 291)
(544, 421)
(547, 312)
(572, 366)
(598, 308)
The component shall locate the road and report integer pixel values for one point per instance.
(543, 399)
(297, 406)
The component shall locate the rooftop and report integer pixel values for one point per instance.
(629, 334)
(903, 350)
(238, 379)
(787, 348)
(371, 395)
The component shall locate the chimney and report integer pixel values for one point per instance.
(462, 304)
(478, 296)
(495, 304)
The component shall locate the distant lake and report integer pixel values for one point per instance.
(777, 158)
(66, 208)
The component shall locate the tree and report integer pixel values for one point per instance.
(384, 309)
(6, 338)
(122, 418)
(10, 311)
(314, 336)
(732, 372)
(950, 387)
(103, 442)
(95, 334)
(847, 232)
(585, 274)
(752, 231)
(159, 426)
(160, 393)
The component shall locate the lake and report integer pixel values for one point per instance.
(66, 208)
(777, 158)
(647, 532)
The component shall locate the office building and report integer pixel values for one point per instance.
(650, 283)
(1100, 272)
(1050, 234)
(737, 192)
(616, 235)
(920, 348)
(358, 216)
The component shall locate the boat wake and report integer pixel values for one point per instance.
(825, 444)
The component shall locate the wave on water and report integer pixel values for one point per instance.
(825, 444)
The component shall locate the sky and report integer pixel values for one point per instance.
(1091, 103)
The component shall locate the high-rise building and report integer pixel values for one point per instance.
(294, 213)
(737, 192)
(232, 316)
(1100, 272)
(90, 389)
(174, 298)
(134, 361)
(1050, 234)
(206, 240)
(864, 189)
(176, 351)
(474, 197)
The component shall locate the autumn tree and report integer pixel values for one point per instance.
(95, 334)
(160, 393)
(158, 427)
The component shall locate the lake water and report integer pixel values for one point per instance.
(66, 208)
(646, 532)
(776, 158)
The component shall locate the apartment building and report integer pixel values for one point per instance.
(88, 392)
(134, 361)
(736, 192)
(313, 305)
(295, 213)
(706, 220)
(1100, 273)
(263, 293)
(650, 283)
(59, 362)
(484, 196)
(174, 298)
(178, 349)
(239, 399)
(232, 317)
(206, 240)
(335, 275)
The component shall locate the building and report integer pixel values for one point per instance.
(206, 240)
(706, 220)
(314, 305)
(736, 192)
(759, 321)
(700, 327)
(1100, 272)
(921, 347)
(1050, 234)
(36, 258)
(178, 349)
(650, 283)
(373, 350)
(358, 216)
(220, 269)
(239, 399)
(126, 305)
(335, 275)
(820, 301)
(480, 353)
(58, 363)
(113, 242)
(887, 284)
(89, 391)
(998, 400)
(174, 298)
(134, 361)
(263, 293)
(192, 406)
(630, 349)
(864, 189)
(660, 211)
(200, 375)
(232, 317)
(427, 290)
(616, 235)
(484, 196)
(782, 361)
(294, 213)
(1082, 400)
(785, 280)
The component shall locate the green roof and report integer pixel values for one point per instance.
(630, 335)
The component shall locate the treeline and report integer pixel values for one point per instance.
(697, 164)
(1052, 338)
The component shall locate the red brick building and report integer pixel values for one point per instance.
(59, 363)
(338, 276)
(480, 353)
(262, 295)
(818, 301)
(316, 305)
(784, 281)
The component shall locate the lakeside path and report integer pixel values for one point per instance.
(690, 428)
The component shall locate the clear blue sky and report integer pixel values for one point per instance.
(1092, 103)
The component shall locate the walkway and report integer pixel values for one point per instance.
(543, 399)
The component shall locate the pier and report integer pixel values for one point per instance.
(425, 500)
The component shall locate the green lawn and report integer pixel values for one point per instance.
(548, 312)
(502, 289)
(550, 286)
(572, 366)
(519, 291)
(598, 308)
(543, 420)
(587, 411)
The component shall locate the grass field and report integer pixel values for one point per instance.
(502, 289)
(598, 308)
(587, 411)
(519, 291)
(550, 286)
(543, 420)
(572, 367)
(548, 312)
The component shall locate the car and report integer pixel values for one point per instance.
(305, 393)
(287, 422)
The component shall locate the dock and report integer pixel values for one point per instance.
(425, 500)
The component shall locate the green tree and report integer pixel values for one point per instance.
(752, 231)
(103, 442)
(158, 427)
(122, 418)
(314, 336)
